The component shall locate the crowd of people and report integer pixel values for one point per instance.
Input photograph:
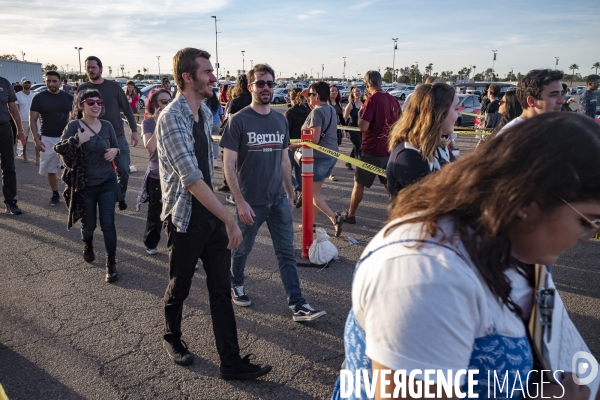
(461, 238)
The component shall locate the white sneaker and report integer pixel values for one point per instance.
(229, 199)
(239, 296)
(152, 252)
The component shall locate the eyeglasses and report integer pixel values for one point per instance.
(591, 228)
(310, 94)
(165, 101)
(261, 84)
(91, 102)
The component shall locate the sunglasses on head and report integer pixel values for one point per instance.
(261, 84)
(164, 101)
(91, 102)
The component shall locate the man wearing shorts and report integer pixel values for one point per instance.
(24, 98)
(54, 107)
(379, 112)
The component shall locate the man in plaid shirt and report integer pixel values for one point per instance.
(197, 224)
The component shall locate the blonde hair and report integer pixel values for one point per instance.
(295, 97)
(421, 122)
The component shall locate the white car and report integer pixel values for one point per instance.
(401, 94)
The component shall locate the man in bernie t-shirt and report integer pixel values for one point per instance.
(54, 107)
(259, 177)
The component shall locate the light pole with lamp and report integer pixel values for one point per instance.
(159, 76)
(322, 69)
(556, 65)
(243, 62)
(344, 74)
(79, 52)
(416, 71)
(469, 77)
(394, 60)
(123, 70)
(493, 62)
(23, 55)
(216, 46)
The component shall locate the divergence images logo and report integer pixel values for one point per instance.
(581, 368)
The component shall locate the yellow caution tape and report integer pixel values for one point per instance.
(3, 395)
(471, 114)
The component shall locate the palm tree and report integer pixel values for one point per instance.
(596, 65)
(429, 68)
(573, 67)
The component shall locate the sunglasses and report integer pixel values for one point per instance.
(590, 228)
(311, 94)
(91, 102)
(262, 84)
(164, 101)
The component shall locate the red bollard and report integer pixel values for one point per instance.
(307, 192)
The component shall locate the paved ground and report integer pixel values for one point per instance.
(66, 334)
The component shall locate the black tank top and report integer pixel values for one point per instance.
(354, 115)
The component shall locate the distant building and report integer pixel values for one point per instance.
(14, 71)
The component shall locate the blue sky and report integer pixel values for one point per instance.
(296, 36)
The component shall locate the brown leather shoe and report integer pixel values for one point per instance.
(111, 269)
(88, 253)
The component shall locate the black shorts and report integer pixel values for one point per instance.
(367, 178)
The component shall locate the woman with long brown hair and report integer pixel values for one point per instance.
(415, 140)
(133, 98)
(447, 284)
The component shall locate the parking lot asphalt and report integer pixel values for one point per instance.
(66, 334)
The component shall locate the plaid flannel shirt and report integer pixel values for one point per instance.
(177, 159)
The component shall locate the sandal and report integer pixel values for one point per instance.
(339, 221)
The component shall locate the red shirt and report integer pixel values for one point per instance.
(382, 110)
(133, 101)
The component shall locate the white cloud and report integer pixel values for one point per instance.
(309, 14)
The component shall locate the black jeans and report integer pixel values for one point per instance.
(7, 164)
(153, 223)
(356, 139)
(205, 239)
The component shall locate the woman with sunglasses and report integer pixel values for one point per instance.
(323, 120)
(351, 115)
(133, 98)
(448, 282)
(98, 140)
(510, 108)
(158, 99)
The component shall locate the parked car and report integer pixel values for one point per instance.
(40, 89)
(401, 94)
(279, 95)
(144, 96)
(468, 103)
(36, 86)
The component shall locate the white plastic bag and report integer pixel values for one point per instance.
(322, 251)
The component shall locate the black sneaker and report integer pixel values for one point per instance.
(349, 219)
(244, 370)
(298, 201)
(304, 312)
(178, 352)
(223, 188)
(239, 296)
(122, 205)
(12, 208)
(54, 200)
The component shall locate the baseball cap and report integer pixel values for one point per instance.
(25, 80)
(165, 80)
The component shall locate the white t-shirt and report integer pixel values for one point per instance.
(514, 122)
(423, 308)
(24, 102)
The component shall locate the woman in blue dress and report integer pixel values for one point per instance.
(447, 284)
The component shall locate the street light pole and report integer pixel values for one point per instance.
(243, 62)
(251, 63)
(493, 62)
(159, 76)
(79, 52)
(122, 70)
(23, 55)
(322, 69)
(416, 71)
(216, 46)
(344, 74)
(394, 60)
(556, 65)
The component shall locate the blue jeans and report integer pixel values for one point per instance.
(122, 162)
(296, 172)
(280, 223)
(105, 196)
